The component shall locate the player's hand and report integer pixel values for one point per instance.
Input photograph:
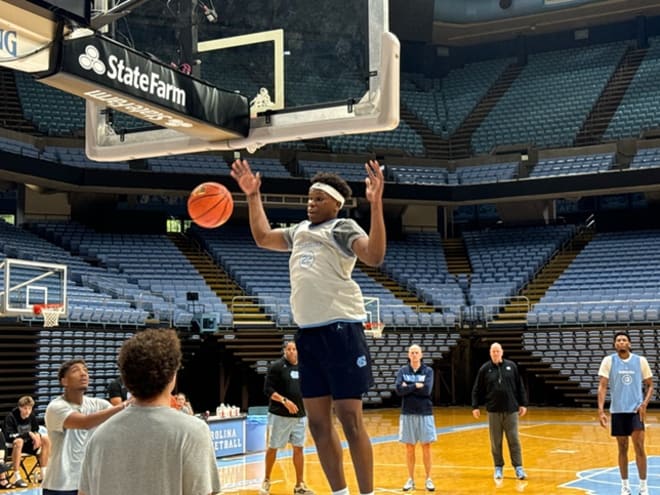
(291, 407)
(375, 181)
(602, 419)
(247, 181)
(642, 412)
(419, 385)
(476, 413)
(522, 411)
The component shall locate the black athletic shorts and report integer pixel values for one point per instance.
(623, 424)
(334, 360)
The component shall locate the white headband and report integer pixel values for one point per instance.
(330, 191)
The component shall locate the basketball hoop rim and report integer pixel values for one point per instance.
(38, 309)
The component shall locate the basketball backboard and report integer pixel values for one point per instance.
(262, 72)
(27, 284)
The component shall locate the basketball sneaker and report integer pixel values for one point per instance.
(302, 489)
(643, 491)
(625, 490)
(410, 485)
(520, 473)
(430, 487)
(265, 488)
(499, 474)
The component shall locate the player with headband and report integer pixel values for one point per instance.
(327, 306)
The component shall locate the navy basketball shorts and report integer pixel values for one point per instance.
(623, 424)
(334, 360)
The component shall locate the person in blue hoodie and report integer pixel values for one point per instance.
(414, 383)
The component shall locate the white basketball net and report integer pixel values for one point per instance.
(51, 317)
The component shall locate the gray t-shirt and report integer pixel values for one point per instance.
(150, 451)
(67, 446)
(320, 267)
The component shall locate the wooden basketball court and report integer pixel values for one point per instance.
(565, 451)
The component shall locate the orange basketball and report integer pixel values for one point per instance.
(210, 205)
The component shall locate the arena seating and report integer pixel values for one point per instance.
(646, 158)
(504, 260)
(442, 104)
(640, 108)
(418, 264)
(608, 283)
(572, 165)
(550, 99)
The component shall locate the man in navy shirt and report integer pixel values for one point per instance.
(414, 383)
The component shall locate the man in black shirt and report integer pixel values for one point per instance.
(506, 399)
(22, 430)
(286, 416)
(117, 391)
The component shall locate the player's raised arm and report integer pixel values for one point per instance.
(250, 184)
(371, 250)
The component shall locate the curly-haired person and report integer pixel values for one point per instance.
(150, 448)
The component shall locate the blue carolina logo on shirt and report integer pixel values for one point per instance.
(294, 374)
(306, 260)
(361, 361)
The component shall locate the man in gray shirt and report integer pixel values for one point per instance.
(70, 418)
(150, 449)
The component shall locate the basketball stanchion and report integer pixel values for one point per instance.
(374, 329)
(50, 312)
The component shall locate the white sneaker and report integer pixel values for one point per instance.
(265, 488)
(430, 487)
(410, 485)
(625, 491)
(302, 489)
(643, 491)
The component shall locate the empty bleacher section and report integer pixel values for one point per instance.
(76, 157)
(614, 280)
(577, 354)
(550, 99)
(442, 104)
(352, 172)
(478, 174)
(407, 174)
(418, 264)
(403, 138)
(646, 158)
(504, 260)
(640, 108)
(572, 165)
